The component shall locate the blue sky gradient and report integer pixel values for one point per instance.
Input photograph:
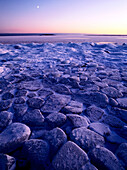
(63, 16)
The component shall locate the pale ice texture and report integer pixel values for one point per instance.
(46, 56)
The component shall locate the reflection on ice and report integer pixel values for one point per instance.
(105, 42)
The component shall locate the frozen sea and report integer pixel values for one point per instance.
(69, 93)
(65, 38)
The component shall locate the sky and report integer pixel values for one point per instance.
(63, 16)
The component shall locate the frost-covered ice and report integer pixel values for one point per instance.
(52, 80)
(50, 56)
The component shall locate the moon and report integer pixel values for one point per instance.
(38, 6)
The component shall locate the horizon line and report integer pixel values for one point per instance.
(52, 34)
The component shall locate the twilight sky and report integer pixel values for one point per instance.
(63, 16)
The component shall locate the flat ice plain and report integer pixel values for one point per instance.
(63, 106)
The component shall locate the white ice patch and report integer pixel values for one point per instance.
(4, 71)
(73, 49)
(3, 51)
(1, 70)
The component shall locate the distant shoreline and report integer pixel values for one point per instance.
(26, 34)
(54, 34)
